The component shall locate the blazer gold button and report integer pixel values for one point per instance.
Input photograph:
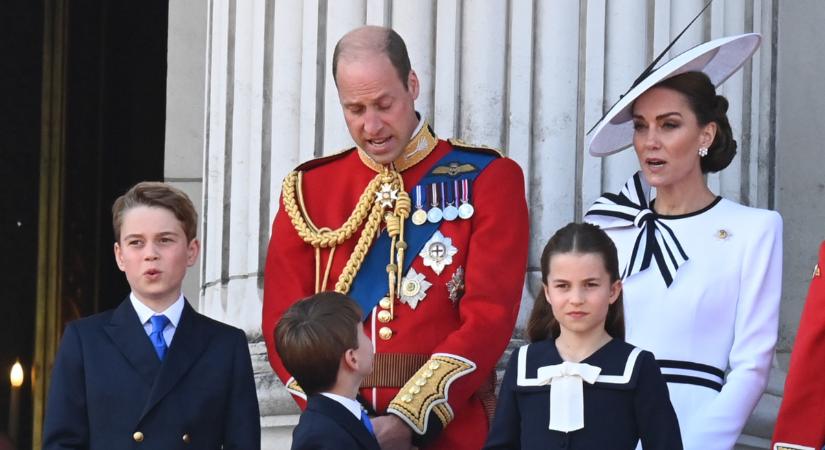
(138, 436)
(385, 333)
(186, 439)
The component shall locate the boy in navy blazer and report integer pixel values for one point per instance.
(152, 373)
(322, 344)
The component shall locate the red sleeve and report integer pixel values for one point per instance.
(801, 419)
(495, 269)
(496, 259)
(286, 279)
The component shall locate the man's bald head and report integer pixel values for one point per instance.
(368, 41)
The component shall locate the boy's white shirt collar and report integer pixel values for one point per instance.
(173, 312)
(351, 404)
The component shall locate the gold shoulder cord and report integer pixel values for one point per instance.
(384, 199)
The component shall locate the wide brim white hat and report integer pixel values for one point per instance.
(718, 59)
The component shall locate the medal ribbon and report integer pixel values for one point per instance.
(369, 284)
(419, 201)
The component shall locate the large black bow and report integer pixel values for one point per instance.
(656, 241)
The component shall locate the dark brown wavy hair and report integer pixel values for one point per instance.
(576, 238)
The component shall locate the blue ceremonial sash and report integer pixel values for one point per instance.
(370, 283)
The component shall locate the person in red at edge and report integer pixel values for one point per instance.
(429, 236)
(801, 421)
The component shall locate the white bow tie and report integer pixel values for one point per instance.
(566, 393)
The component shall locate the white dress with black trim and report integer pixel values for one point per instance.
(701, 291)
(626, 401)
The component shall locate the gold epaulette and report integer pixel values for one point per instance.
(428, 390)
(458, 143)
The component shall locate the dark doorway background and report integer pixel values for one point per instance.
(21, 45)
(113, 137)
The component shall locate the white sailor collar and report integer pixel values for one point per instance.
(616, 359)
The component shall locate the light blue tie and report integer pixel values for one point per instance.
(365, 419)
(156, 336)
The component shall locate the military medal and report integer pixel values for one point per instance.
(413, 288)
(386, 196)
(466, 210)
(450, 211)
(434, 215)
(438, 252)
(419, 217)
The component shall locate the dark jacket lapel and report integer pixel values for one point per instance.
(128, 335)
(341, 415)
(190, 340)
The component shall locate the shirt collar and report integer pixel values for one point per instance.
(351, 404)
(173, 312)
(421, 144)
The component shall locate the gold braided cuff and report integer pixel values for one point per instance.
(427, 391)
(784, 446)
(295, 389)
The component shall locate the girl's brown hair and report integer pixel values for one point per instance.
(576, 238)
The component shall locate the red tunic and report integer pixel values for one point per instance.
(801, 421)
(491, 251)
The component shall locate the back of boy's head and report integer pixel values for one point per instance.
(156, 194)
(313, 335)
(576, 238)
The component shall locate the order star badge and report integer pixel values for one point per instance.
(438, 252)
(414, 288)
(386, 196)
(455, 287)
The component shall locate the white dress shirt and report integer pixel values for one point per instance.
(173, 313)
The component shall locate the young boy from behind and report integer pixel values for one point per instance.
(322, 344)
(152, 373)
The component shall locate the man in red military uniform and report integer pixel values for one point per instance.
(801, 421)
(429, 236)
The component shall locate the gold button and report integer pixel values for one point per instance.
(385, 303)
(186, 439)
(138, 436)
(384, 316)
(407, 398)
(428, 373)
(434, 365)
(385, 333)
(414, 390)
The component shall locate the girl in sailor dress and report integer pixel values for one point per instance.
(702, 274)
(578, 385)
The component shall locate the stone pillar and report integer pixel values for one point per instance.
(528, 77)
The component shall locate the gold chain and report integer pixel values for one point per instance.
(371, 208)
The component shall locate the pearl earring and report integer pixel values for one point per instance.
(703, 151)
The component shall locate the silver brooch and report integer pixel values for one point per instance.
(455, 287)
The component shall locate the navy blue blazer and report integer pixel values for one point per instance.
(628, 402)
(329, 425)
(109, 391)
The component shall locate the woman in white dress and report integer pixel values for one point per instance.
(702, 273)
